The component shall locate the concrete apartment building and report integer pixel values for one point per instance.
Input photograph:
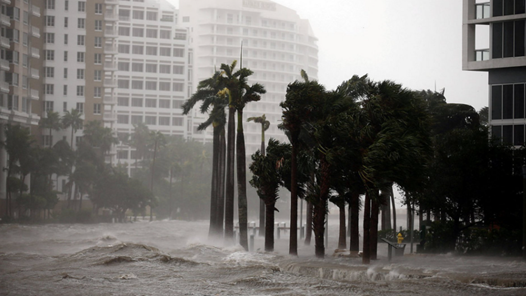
(494, 40)
(277, 44)
(20, 68)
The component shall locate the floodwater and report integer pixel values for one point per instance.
(175, 258)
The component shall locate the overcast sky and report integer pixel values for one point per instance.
(417, 43)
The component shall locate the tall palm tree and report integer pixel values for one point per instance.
(139, 140)
(99, 137)
(265, 124)
(214, 104)
(72, 119)
(51, 122)
(159, 140)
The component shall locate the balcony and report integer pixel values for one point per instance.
(5, 42)
(109, 99)
(35, 53)
(34, 94)
(35, 74)
(110, 66)
(482, 10)
(4, 87)
(112, 2)
(110, 117)
(110, 32)
(481, 55)
(6, 1)
(4, 65)
(110, 49)
(5, 20)
(35, 32)
(35, 10)
(110, 83)
(111, 16)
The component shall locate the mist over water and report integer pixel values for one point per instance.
(175, 258)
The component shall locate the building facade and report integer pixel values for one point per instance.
(494, 40)
(277, 44)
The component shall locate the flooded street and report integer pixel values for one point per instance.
(174, 258)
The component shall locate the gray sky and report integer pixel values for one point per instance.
(413, 42)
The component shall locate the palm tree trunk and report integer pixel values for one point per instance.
(366, 256)
(375, 208)
(269, 228)
(293, 241)
(320, 208)
(386, 209)
(151, 181)
(354, 213)
(221, 182)
(262, 211)
(212, 231)
(229, 198)
(394, 208)
(342, 244)
(72, 149)
(241, 182)
(308, 228)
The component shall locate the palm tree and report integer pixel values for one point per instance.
(159, 140)
(99, 137)
(72, 119)
(51, 122)
(208, 93)
(265, 124)
(139, 140)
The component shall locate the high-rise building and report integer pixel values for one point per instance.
(20, 68)
(494, 40)
(277, 44)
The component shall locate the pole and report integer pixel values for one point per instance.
(524, 212)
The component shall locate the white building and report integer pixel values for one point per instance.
(277, 44)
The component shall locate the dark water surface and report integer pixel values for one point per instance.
(175, 258)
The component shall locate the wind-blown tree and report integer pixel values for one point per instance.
(139, 140)
(159, 141)
(52, 123)
(212, 103)
(99, 137)
(267, 177)
(297, 109)
(265, 124)
(74, 120)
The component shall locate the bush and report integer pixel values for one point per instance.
(71, 216)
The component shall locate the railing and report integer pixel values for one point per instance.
(34, 94)
(113, 2)
(6, 1)
(35, 31)
(110, 15)
(4, 87)
(110, 116)
(35, 52)
(110, 32)
(35, 10)
(110, 83)
(5, 42)
(110, 66)
(482, 10)
(125, 18)
(4, 64)
(109, 99)
(4, 19)
(35, 74)
(110, 49)
(481, 55)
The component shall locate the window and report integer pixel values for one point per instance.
(80, 73)
(165, 69)
(165, 34)
(151, 33)
(151, 85)
(65, 22)
(49, 106)
(151, 50)
(165, 51)
(80, 57)
(124, 48)
(136, 84)
(50, 54)
(178, 69)
(177, 121)
(24, 82)
(81, 39)
(66, 56)
(49, 72)
(64, 106)
(151, 15)
(122, 154)
(124, 31)
(25, 38)
(48, 140)
(65, 90)
(96, 108)
(178, 52)
(164, 86)
(177, 86)
(66, 5)
(25, 60)
(50, 37)
(124, 84)
(186, 19)
(81, 23)
(80, 91)
(123, 119)
(50, 21)
(151, 103)
(80, 107)
(50, 4)
(97, 58)
(65, 38)
(82, 6)
(136, 119)
(151, 68)
(164, 120)
(138, 32)
(124, 15)
(122, 101)
(16, 57)
(137, 49)
(49, 89)
(137, 67)
(98, 42)
(98, 25)
(98, 8)
(164, 103)
(124, 66)
(65, 73)
(97, 75)
(136, 102)
(138, 15)
(151, 120)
